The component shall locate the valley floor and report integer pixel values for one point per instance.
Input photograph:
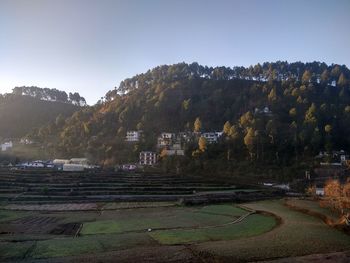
(167, 232)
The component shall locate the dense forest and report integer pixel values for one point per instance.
(27, 108)
(307, 109)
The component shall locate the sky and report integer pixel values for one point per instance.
(89, 46)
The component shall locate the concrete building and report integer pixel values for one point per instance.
(82, 161)
(212, 137)
(166, 139)
(148, 158)
(133, 136)
(72, 167)
(60, 161)
(33, 164)
(6, 145)
(175, 149)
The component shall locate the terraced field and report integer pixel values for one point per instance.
(29, 186)
(81, 217)
(35, 235)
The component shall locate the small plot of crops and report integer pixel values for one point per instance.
(253, 225)
(181, 218)
(313, 206)
(299, 234)
(11, 215)
(129, 205)
(14, 250)
(71, 246)
(85, 245)
(228, 210)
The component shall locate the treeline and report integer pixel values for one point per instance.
(278, 114)
(19, 114)
(279, 71)
(50, 95)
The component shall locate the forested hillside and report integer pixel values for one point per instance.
(27, 108)
(308, 110)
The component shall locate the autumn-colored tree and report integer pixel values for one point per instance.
(342, 81)
(249, 141)
(163, 153)
(272, 95)
(333, 191)
(328, 128)
(310, 115)
(197, 125)
(293, 112)
(325, 76)
(227, 127)
(202, 144)
(306, 77)
(246, 119)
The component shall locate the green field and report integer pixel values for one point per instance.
(209, 230)
(185, 218)
(6, 215)
(253, 225)
(313, 206)
(299, 234)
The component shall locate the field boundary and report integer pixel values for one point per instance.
(326, 219)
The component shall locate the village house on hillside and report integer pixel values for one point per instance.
(133, 136)
(148, 158)
(166, 139)
(264, 111)
(336, 158)
(25, 141)
(212, 137)
(174, 149)
(6, 146)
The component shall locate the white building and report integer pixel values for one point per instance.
(60, 161)
(34, 164)
(72, 167)
(185, 136)
(175, 152)
(148, 158)
(166, 139)
(82, 161)
(320, 191)
(133, 136)
(26, 141)
(128, 167)
(212, 137)
(6, 145)
(175, 149)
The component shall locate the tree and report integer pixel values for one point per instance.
(310, 115)
(306, 77)
(202, 144)
(246, 119)
(333, 192)
(293, 112)
(227, 127)
(60, 120)
(197, 125)
(325, 76)
(272, 95)
(328, 128)
(342, 81)
(249, 141)
(186, 104)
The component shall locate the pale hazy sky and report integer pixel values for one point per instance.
(89, 46)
